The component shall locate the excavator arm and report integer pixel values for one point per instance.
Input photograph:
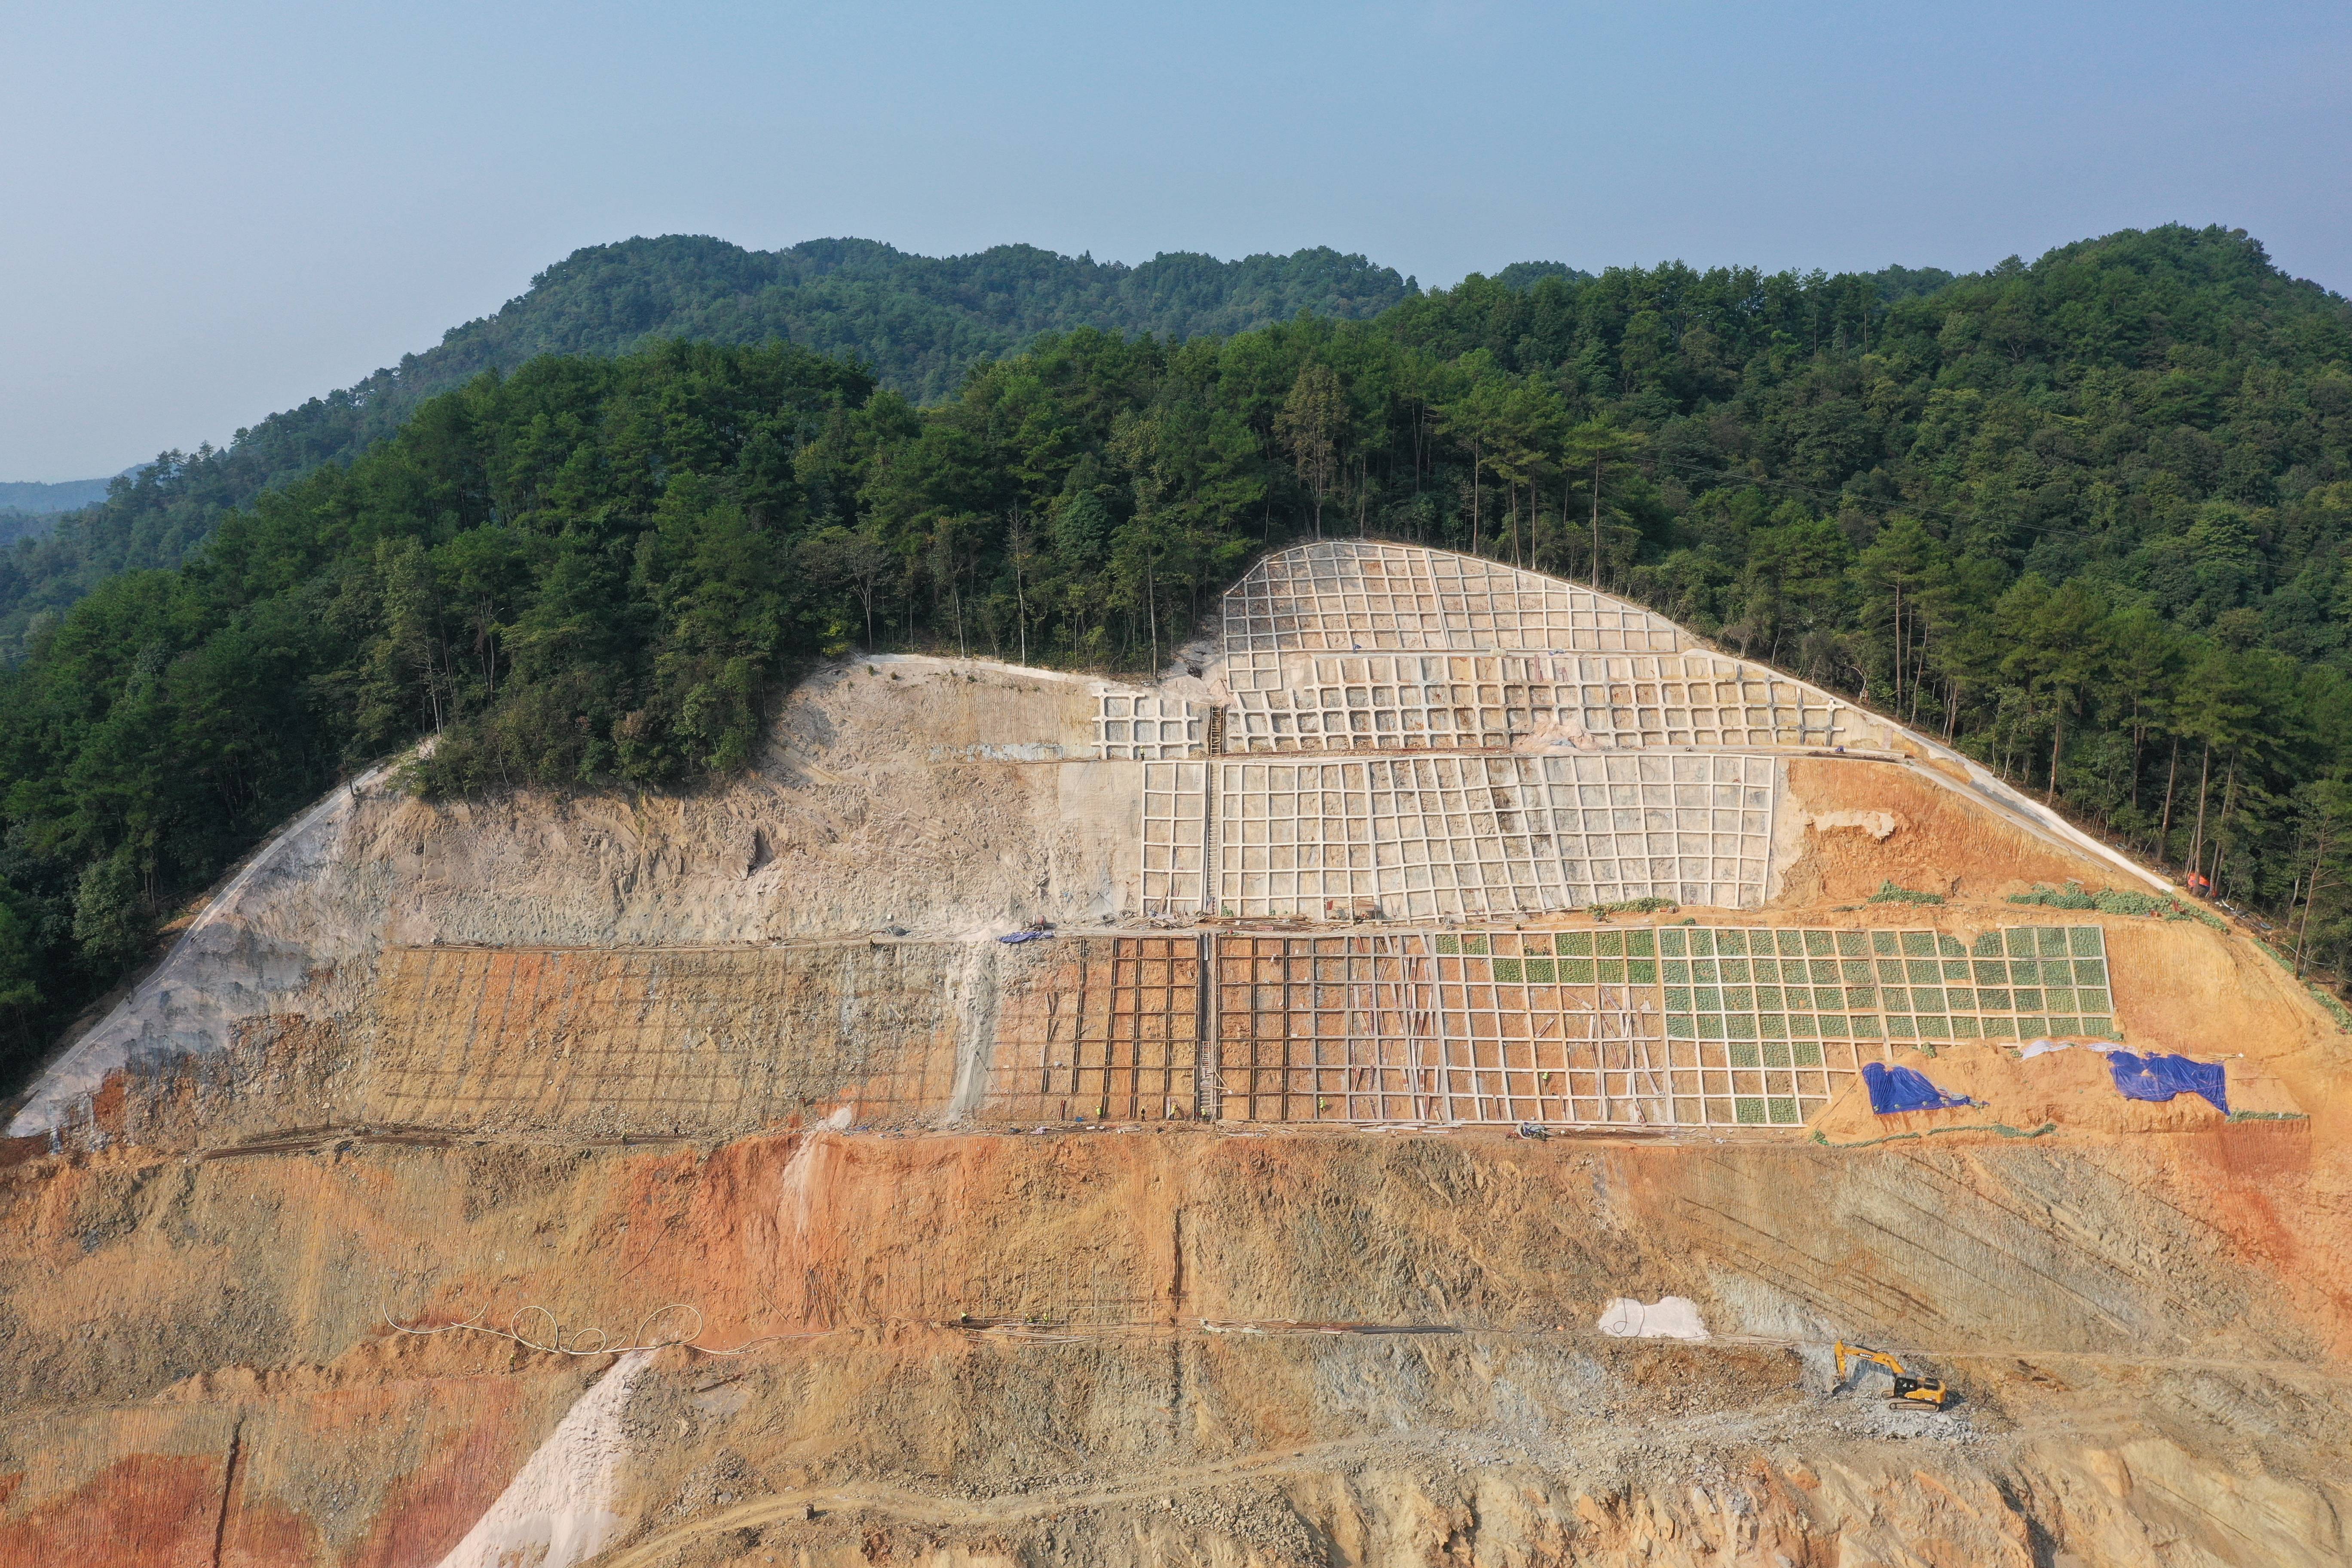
(1908, 1390)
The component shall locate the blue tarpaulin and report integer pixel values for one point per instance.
(2161, 1077)
(1904, 1089)
(1025, 936)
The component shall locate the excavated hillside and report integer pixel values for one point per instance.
(1412, 1086)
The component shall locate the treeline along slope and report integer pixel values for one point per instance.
(916, 321)
(2088, 516)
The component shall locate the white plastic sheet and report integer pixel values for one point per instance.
(1667, 1318)
(2043, 1048)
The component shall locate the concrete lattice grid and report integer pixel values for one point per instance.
(1176, 848)
(1353, 595)
(1146, 726)
(659, 1039)
(1469, 702)
(1452, 837)
(1103, 1028)
(1360, 648)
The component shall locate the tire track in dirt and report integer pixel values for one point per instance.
(1012, 1508)
(1003, 1508)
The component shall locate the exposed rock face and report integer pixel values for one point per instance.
(687, 1179)
(2147, 1333)
(871, 812)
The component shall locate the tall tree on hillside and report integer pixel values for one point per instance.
(1477, 419)
(1529, 426)
(413, 657)
(21, 974)
(1594, 448)
(2058, 651)
(854, 558)
(1020, 548)
(1313, 425)
(2215, 704)
(2141, 674)
(1901, 572)
(2324, 851)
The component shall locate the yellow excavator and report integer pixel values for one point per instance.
(1908, 1390)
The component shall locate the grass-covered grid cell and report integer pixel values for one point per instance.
(1685, 1026)
(1767, 1015)
(2015, 984)
(1732, 996)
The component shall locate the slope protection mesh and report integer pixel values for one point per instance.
(1676, 1025)
(1449, 701)
(659, 1040)
(1355, 595)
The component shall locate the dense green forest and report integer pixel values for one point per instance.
(16, 524)
(918, 323)
(2088, 516)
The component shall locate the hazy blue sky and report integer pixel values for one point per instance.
(212, 212)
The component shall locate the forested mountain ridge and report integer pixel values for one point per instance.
(918, 322)
(2088, 516)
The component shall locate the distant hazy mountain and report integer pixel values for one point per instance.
(28, 509)
(62, 497)
(918, 322)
